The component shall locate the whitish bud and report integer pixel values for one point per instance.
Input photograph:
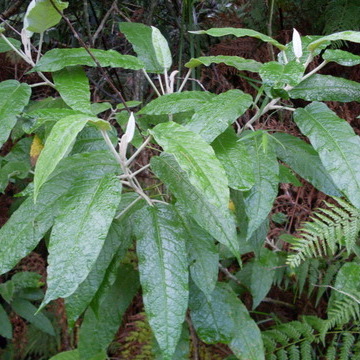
(297, 46)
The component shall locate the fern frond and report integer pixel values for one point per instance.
(342, 311)
(328, 229)
(348, 340)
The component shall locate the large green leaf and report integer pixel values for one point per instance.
(5, 324)
(163, 273)
(57, 145)
(341, 57)
(197, 159)
(326, 88)
(278, 75)
(98, 329)
(73, 86)
(18, 169)
(202, 254)
(161, 47)
(218, 223)
(41, 15)
(337, 144)
(80, 229)
(235, 159)
(57, 59)
(240, 32)
(141, 38)
(215, 116)
(259, 199)
(27, 310)
(353, 36)
(258, 275)
(223, 318)
(176, 103)
(116, 244)
(305, 161)
(14, 96)
(235, 61)
(30, 221)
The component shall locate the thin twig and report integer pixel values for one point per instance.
(118, 216)
(151, 82)
(137, 152)
(102, 24)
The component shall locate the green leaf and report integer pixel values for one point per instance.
(223, 318)
(353, 36)
(341, 57)
(98, 329)
(176, 103)
(41, 15)
(237, 62)
(202, 254)
(197, 159)
(305, 161)
(286, 176)
(235, 159)
(5, 324)
(73, 86)
(161, 47)
(57, 145)
(4, 46)
(163, 273)
(240, 32)
(278, 75)
(14, 96)
(81, 298)
(29, 223)
(141, 38)
(259, 199)
(57, 59)
(67, 355)
(258, 275)
(215, 116)
(27, 310)
(337, 144)
(219, 224)
(80, 229)
(326, 88)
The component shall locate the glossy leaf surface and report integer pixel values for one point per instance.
(240, 32)
(259, 199)
(235, 159)
(141, 38)
(57, 59)
(305, 161)
(278, 75)
(177, 103)
(41, 15)
(237, 62)
(337, 144)
(67, 355)
(81, 228)
(341, 57)
(218, 223)
(161, 47)
(73, 86)
(326, 88)
(197, 159)
(163, 273)
(57, 145)
(98, 329)
(353, 36)
(14, 96)
(216, 115)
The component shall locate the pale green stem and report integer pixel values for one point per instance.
(151, 82)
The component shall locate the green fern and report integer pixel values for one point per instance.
(328, 230)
